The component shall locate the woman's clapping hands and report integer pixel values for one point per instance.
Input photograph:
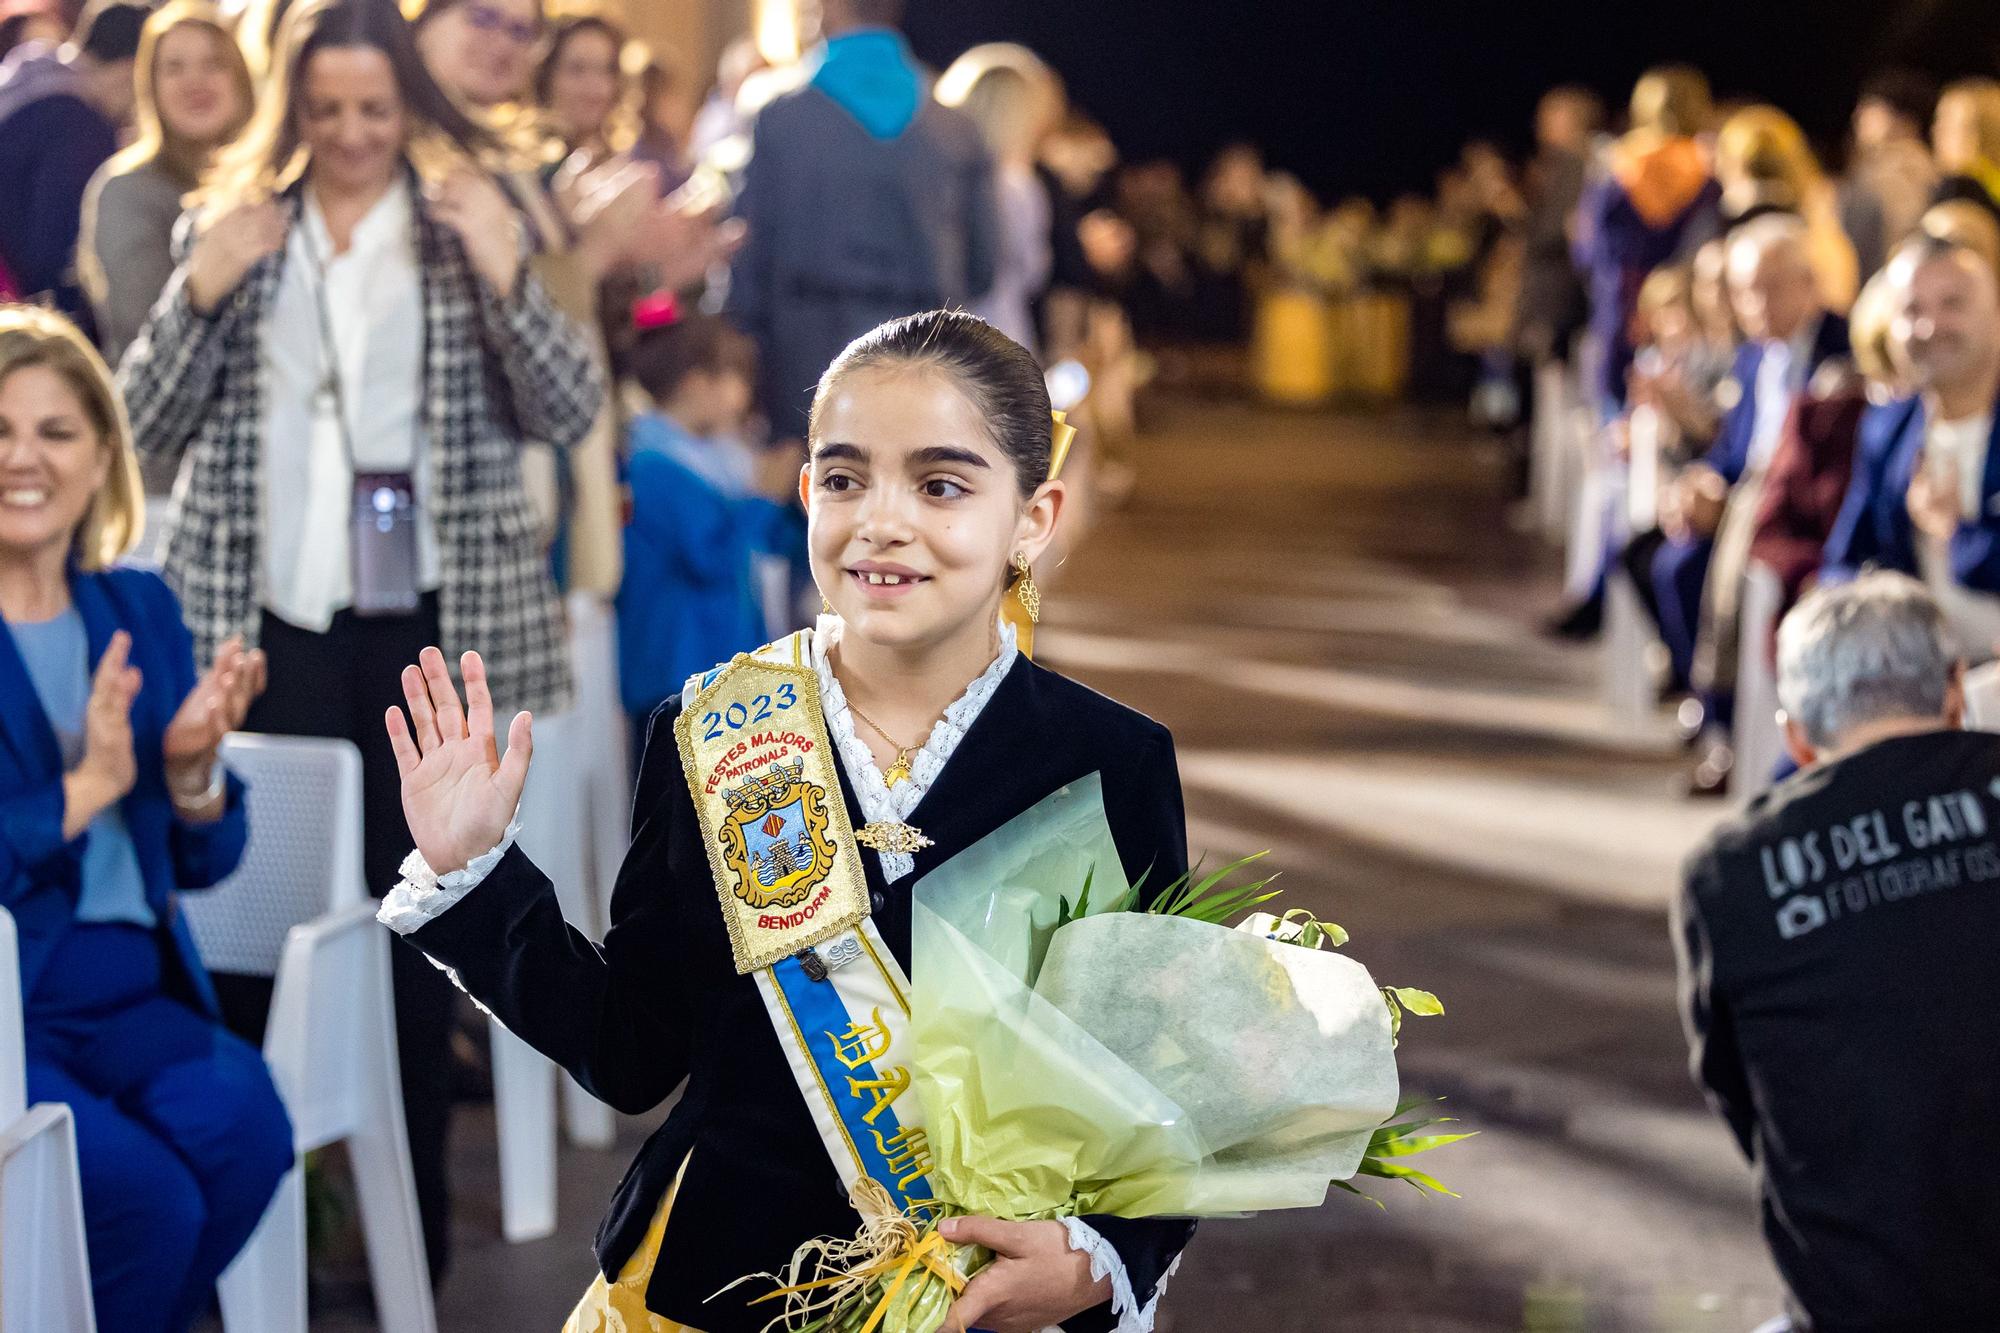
(216, 706)
(108, 769)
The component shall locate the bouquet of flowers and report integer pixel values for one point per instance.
(1079, 1051)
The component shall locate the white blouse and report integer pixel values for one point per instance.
(373, 299)
(879, 801)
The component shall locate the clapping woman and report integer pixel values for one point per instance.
(194, 96)
(350, 357)
(112, 800)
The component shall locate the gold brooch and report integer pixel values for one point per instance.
(883, 836)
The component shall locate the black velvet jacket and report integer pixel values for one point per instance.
(661, 1002)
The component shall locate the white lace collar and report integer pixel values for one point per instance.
(880, 802)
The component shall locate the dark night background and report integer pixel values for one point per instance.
(1374, 97)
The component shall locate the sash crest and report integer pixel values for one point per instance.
(762, 773)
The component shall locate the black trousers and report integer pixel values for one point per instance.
(339, 684)
(1638, 559)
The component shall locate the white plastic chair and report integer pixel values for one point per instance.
(605, 782)
(1759, 742)
(1550, 443)
(601, 778)
(44, 1268)
(575, 753)
(1627, 677)
(296, 910)
(152, 547)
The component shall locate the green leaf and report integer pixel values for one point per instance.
(1389, 1132)
(1207, 898)
(1126, 901)
(1402, 1146)
(1067, 911)
(1312, 930)
(1218, 907)
(1375, 1166)
(1420, 1002)
(1361, 1194)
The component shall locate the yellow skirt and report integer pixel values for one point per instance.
(620, 1306)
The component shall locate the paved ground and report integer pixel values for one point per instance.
(1334, 618)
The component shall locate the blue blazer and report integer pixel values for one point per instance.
(1874, 527)
(39, 872)
(1730, 454)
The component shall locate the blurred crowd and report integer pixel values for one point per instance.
(1764, 368)
(1740, 327)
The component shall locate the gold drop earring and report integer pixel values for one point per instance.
(1025, 591)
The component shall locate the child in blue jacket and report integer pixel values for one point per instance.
(703, 506)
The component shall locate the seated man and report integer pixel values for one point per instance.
(1925, 498)
(1809, 477)
(1788, 335)
(1836, 962)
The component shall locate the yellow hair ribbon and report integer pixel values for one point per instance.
(1064, 436)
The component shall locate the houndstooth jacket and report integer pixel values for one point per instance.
(496, 372)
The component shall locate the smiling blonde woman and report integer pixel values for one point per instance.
(112, 802)
(194, 96)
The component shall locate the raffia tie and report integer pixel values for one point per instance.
(889, 1241)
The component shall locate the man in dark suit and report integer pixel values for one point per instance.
(1788, 336)
(1837, 974)
(865, 200)
(1926, 496)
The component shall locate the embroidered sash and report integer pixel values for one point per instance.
(766, 787)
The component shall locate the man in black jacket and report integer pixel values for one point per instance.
(864, 198)
(1839, 975)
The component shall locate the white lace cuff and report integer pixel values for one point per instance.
(1104, 1262)
(422, 895)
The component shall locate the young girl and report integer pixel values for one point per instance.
(929, 495)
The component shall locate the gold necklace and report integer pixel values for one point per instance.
(901, 768)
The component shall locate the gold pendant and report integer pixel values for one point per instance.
(883, 836)
(898, 770)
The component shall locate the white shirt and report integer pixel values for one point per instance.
(1955, 452)
(374, 302)
(1775, 386)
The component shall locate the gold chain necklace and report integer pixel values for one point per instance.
(901, 768)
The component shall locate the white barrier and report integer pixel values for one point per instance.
(1759, 742)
